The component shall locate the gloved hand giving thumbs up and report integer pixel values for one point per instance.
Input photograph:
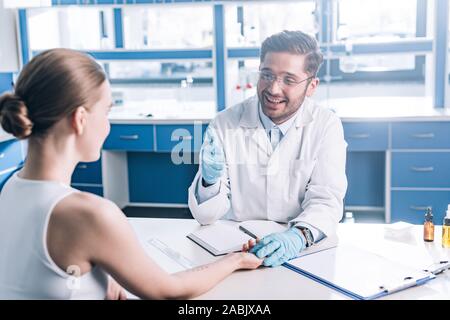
(212, 157)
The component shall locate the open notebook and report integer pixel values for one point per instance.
(220, 238)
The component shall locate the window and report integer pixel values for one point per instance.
(182, 81)
(372, 21)
(164, 27)
(242, 77)
(249, 24)
(384, 21)
(171, 72)
(71, 27)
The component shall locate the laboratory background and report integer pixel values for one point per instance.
(173, 64)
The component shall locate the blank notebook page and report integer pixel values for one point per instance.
(223, 238)
(262, 228)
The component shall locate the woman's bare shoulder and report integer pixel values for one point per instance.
(87, 211)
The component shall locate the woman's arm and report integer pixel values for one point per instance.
(203, 278)
(108, 240)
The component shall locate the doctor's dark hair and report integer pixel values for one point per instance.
(50, 87)
(295, 42)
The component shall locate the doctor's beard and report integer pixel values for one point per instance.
(280, 108)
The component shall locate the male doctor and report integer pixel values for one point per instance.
(276, 156)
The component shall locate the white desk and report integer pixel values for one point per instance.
(281, 283)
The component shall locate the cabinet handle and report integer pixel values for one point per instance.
(419, 208)
(422, 169)
(2, 155)
(82, 166)
(359, 136)
(423, 135)
(176, 137)
(130, 137)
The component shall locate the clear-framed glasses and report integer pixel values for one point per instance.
(284, 81)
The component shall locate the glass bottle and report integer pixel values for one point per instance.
(428, 226)
(446, 229)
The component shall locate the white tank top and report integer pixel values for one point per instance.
(26, 269)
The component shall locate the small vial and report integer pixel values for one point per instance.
(428, 226)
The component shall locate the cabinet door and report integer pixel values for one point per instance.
(88, 172)
(421, 169)
(366, 136)
(410, 206)
(130, 138)
(421, 135)
(188, 137)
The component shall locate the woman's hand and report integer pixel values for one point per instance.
(249, 245)
(115, 291)
(249, 260)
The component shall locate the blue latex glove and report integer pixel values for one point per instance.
(212, 157)
(277, 248)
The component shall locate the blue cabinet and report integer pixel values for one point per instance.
(130, 138)
(421, 135)
(189, 136)
(420, 173)
(88, 172)
(421, 169)
(87, 177)
(411, 206)
(160, 159)
(365, 183)
(367, 136)
(155, 178)
(367, 143)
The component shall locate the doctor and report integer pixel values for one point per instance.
(276, 156)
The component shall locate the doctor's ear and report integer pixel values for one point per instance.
(78, 120)
(312, 87)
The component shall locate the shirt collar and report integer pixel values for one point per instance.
(268, 123)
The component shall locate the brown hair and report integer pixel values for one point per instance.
(296, 42)
(50, 87)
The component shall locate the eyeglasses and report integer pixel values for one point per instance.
(285, 81)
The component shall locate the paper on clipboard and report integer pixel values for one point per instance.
(358, 273)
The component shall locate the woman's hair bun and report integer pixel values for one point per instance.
(14, 116)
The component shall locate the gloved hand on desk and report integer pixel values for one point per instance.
(212, 158)
(277, 248)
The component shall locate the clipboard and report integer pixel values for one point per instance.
(357, 273)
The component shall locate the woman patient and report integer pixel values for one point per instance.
(50, 231)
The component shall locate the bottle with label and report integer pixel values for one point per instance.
(428, 226)
(446, 229)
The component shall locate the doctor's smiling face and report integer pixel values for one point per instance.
(283, 84)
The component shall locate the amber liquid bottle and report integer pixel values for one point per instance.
(446, 229)
(428, 227)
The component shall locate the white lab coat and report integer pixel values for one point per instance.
(302, 182)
